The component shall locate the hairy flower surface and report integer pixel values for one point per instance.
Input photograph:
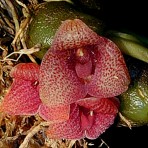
(75, 86)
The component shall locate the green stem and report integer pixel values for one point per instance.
(130, 44)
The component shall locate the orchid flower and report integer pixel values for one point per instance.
(76, 85)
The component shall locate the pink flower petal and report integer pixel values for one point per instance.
(101, 123)
(101, 116)
(58, 82)
(111, 76)
(70, 129)
(74, 34)
(26, 71)
(100, 105)
(22, 98)
(54, 113)
(82, 123)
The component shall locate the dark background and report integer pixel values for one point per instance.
(128, 14)
(122, 137)
(117, 14)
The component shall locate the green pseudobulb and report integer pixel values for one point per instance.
(47, 19)
(134, 102)
(130, 44)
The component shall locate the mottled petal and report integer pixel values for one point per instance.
(100, 105)
(74, 34)
(22, 98)
(54, 113)
(101, 123)
(111, 76)
(90, 118)
(70, 129)
(101, 116)
(26, 71)
(58, 82)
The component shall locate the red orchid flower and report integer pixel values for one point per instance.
(75, 86)
(89, 118)
(23, 96)
(81, 63)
